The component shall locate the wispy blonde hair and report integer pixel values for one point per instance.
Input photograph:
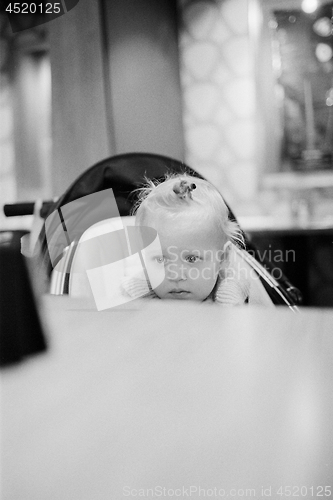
(158, 196)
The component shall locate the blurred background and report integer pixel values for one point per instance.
(241, 90)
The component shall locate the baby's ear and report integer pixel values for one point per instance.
(225, 255)
(226, 250)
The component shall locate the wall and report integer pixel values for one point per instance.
(8, 187)
(144, 77)
(32, 124)
(115, 84)
(81, 135)
(151, 95)
(25, 113)
(120, 83)
(217, 75)
(7, 174)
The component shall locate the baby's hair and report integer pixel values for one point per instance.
(180, 193)
(183, 189)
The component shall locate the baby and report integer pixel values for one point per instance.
(196, 238)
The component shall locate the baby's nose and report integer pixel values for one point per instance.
(176, 272)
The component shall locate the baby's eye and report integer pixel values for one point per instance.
(159, 259)
(192, 259)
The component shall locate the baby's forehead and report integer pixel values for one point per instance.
(186, 229)
(181, 216)
(187, 221)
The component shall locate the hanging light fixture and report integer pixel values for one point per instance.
(309, 6)
(323, 26)
(323, 52)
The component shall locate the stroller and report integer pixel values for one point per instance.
(124, 174)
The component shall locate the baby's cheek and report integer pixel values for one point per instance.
(160, 290)
(156, 274)
(209, 272)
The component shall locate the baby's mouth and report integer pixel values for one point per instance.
(177, 293)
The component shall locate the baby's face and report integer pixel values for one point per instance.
(191, 256)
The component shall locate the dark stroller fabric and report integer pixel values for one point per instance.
(122, 173)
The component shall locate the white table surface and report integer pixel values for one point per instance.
(154, 395)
